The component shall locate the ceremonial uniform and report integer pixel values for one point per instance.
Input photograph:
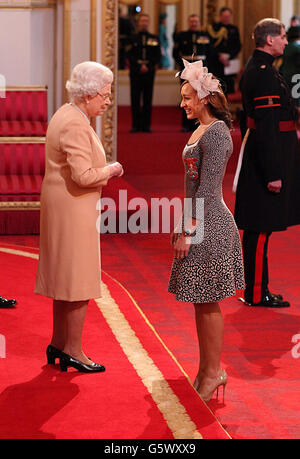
(144, 48)
(226, 40)
(271, 153)
(192, 46)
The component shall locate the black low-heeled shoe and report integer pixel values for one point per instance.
(69, 361)
(52, 354)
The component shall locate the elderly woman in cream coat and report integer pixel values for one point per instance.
(69, 269)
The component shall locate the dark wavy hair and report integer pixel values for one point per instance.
(218, 106)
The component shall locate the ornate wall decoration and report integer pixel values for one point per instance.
(110, 59)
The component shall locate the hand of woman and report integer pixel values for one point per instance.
(116, 170)
(182, 247)
(175, 235)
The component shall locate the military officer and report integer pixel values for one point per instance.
(227, 44)
(144, 56)
(193, 44)
(268, 183)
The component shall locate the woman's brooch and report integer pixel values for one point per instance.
(192, 170)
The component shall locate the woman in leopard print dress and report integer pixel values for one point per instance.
(207, 267)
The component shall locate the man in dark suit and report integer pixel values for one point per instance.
(144, 56)
(227, 44)
(268, 183)
(193, 45)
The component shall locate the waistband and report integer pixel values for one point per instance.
(194, 58)
(284, 126)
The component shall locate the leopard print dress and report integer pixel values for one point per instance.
(213, 269)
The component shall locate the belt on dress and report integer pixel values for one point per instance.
(194, 58)
(284, 126)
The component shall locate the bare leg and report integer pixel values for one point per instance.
(210, 330)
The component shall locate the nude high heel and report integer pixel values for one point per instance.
(221, 380)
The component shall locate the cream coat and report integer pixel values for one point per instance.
(69, 263)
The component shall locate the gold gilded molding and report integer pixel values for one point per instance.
(26, 88)
(67, 47)
(110, 59)
(93, 41)
(93, 30)
(22, 139)
(20, 205)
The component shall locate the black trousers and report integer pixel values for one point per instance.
(141, 89)
(255, 251)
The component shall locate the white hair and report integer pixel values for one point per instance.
(87, 79)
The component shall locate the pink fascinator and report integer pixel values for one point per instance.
(199, 78)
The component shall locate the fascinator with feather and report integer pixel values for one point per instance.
(198, 77)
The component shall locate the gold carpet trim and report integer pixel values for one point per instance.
(173, 411)
(166, 348)
(35, 256)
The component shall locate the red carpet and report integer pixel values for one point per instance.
(143, 393)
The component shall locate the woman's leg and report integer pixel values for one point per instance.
(210, 330)
(59, 333)
(68, 321)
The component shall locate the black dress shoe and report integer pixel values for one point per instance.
(134, 130)
(52, 354)
(69, 361)
(274, 296)
(4, 303)
(147, 130)
(268, 302)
